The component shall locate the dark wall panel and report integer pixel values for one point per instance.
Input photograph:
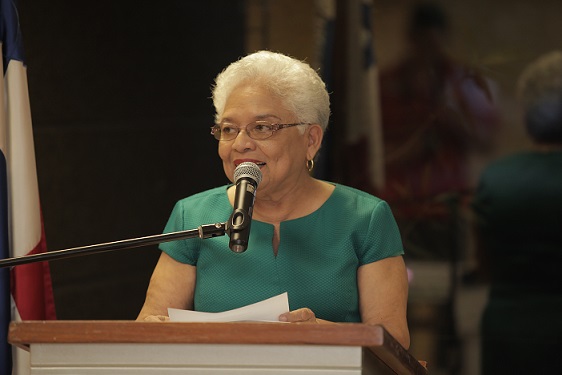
(121, 112)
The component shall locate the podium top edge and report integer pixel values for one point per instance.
(114, 331)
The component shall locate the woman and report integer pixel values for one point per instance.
(335, 250)
(519, 208)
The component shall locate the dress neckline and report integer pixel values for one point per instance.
(313, 213)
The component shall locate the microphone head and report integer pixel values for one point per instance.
(249, 170)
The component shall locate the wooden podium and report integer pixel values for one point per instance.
(127, 347)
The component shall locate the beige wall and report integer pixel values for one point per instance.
(286, 26)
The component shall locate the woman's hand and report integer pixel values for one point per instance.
(304, 315)
(156, 318)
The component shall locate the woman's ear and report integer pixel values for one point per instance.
(315, 134)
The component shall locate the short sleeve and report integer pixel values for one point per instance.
(382, 239)
(183, 251)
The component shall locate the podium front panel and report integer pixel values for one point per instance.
(205, 359)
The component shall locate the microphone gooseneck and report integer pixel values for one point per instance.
(247, 177)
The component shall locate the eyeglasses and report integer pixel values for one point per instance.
(256, 130)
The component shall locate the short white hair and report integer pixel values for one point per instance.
(299, 87)
(540, 93)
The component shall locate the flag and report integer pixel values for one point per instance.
(26, 291)
(349, 67)
(363, 115)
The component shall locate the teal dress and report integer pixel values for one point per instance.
(316, 262)
(519, 209)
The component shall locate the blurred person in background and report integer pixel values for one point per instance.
(518, 206)
(436, 111)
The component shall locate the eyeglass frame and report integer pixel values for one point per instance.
(276, 128)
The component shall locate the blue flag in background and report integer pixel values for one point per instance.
(350, 70)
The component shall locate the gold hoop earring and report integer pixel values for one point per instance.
(310, 165)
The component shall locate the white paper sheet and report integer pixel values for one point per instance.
(265, 311)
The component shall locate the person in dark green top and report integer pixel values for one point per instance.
(335, 250)
(519, 209)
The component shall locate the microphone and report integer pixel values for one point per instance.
(247, 176)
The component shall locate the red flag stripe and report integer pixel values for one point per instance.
(31, 286)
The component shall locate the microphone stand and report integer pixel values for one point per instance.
(203, 232)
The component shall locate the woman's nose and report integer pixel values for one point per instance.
(243, 141)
